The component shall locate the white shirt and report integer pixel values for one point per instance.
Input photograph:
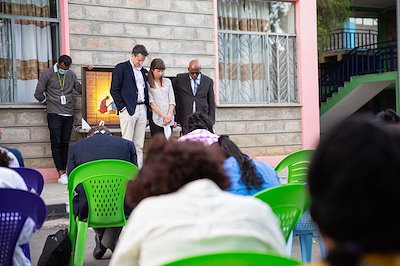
(192, 81)
(199, 218)
(11, 179)
(197, 80)
(162, 97)
(139, 82)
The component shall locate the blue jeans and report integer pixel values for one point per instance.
(60, 133)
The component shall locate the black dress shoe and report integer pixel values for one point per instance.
(99, 250)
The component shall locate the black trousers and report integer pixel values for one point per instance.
(154, 129)
(60, 133)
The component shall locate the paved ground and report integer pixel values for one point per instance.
(53, 226)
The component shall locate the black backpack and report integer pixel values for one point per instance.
(56, 250)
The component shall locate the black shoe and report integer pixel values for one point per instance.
(99, 250)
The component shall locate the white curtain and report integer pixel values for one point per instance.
(33, 47)
(244, 26)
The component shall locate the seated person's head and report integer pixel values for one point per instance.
(354, 185)
(4, 159)
(102, 129)
(170, 164)
(389, 116)
(197, 120)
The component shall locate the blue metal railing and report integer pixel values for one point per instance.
(351, 38)
(368, 59)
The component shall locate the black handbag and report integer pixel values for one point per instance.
(56, 250)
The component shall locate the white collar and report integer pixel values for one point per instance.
(197, 78)
(133, 66)
(55, 67)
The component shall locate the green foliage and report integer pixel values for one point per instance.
(331, 14)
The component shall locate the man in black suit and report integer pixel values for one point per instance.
(131, 96)
(98, 145)
(194, 91)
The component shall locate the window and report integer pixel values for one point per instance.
(29, 43)
(256, 51)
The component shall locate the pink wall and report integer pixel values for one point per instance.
(307, 60)
(64, 27)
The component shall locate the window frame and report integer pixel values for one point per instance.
(216, 58)
(57, 49)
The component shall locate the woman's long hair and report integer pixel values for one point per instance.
(249, 174)
(157, 63)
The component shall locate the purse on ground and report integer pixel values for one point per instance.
(56, 250)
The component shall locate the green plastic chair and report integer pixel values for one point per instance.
(105, 183)
(288, 202)
(236, 259)
(297, 164)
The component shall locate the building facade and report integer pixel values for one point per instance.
(262, 56)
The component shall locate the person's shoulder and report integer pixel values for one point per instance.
(249, 203)
(11, 179)
(231, 162)
(73, 74)
(181, 75)
(167, 80)
(48, 71)
(121, 65)
(263, 165)
(205, 77)
(121, 140)
(155, 205)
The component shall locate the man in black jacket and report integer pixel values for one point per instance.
(194, 92)
(98, 145)
(131, 96)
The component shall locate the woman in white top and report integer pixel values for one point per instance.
(180, 209)
(11, 179)
(162, 99)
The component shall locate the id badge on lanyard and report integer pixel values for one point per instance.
(63, 99)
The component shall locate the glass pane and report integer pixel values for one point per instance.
(33, 8)
(6, 67)
(53, 8)
(29, 50)
(258, 16)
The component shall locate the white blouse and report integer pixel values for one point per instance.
(162, 96)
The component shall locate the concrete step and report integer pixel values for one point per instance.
(55, 197)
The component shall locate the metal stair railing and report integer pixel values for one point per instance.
(349, 38)
(362, 60)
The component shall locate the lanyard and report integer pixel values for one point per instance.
(62, 82)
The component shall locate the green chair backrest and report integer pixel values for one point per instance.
(105, 183)
(297, 163)
(288, 202)
(236, 259)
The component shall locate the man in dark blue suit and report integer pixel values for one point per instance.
(98, 145)
(131, 96)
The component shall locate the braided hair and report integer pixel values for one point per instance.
(249, 176)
